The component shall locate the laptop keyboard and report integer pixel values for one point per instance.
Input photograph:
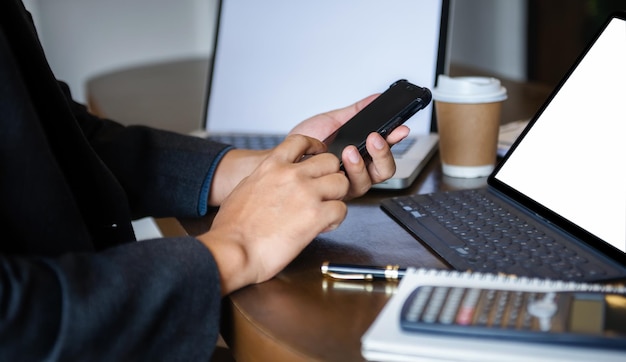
(251, 142)
(266, 141)
(473, 231)
(400, 149)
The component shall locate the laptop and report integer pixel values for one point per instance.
(563, 182)
(277, 63)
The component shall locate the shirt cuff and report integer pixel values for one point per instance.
(203, 202)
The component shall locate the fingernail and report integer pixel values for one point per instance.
(353, 156)
(379, 143)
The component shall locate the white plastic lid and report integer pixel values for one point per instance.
(468, 90)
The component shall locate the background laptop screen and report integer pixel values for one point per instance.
(573, 159)
(279, 62)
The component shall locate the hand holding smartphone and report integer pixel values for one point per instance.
(388, 111)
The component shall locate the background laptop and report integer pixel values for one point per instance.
(279, 62)
(565, 175)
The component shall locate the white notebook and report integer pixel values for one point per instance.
(386, 341)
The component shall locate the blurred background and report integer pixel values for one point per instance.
(517, 39)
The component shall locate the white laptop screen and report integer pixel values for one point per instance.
(573, 159)
(278, 62)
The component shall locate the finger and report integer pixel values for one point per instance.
(320, 165)
(295, 146)
(333, 213)
(356, 170)
(382, 166)
(398, 135)
(333, 186)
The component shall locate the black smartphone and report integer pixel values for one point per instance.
(392, 108)
(592, 319)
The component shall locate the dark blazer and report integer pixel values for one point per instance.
(74, 283)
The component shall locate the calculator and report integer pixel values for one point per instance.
(589, 319)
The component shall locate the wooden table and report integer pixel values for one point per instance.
(300, 315)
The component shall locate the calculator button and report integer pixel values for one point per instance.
(452, 304)
(468, 307)
(419, 302)
(514, 311)
(489, 297)
(501, 304)
(436, 303)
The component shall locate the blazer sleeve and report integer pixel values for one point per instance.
(163, 173)
(154, 300)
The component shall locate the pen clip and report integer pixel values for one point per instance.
(349, 276)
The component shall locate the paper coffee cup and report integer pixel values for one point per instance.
(468, 119)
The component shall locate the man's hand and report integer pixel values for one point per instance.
(276, 211)
(362, 175)
(238, 164)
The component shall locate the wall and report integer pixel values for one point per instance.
(83, 38)
(490, 35)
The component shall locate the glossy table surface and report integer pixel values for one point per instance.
(301, 315)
